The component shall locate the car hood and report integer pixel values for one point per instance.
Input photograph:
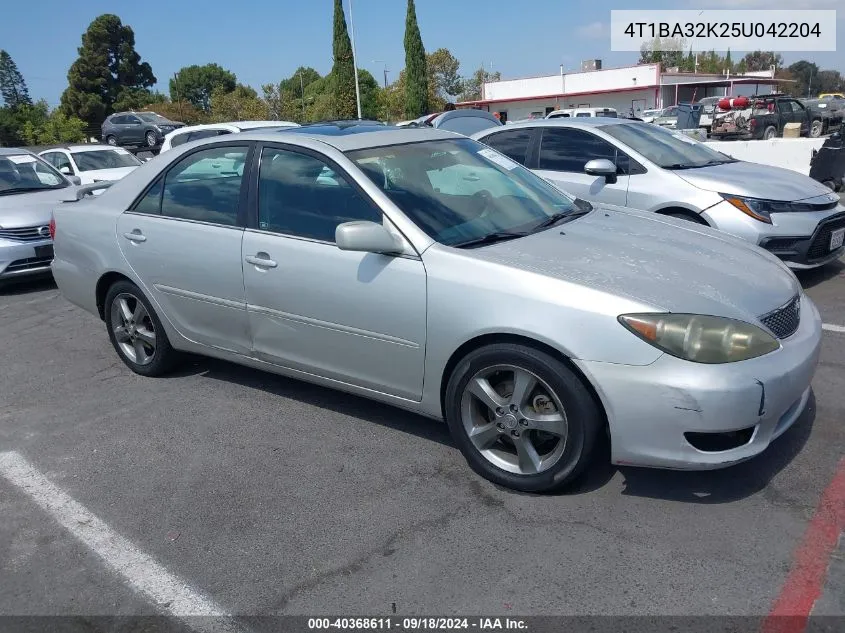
(672, 265)
(31, 209)
(115, 173)
(755, 181)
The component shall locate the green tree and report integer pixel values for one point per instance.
(196, 83)
(806, 74)
(667, 51)
(416, 80)
(240, 104)
(444, 79)
(15, 121)
(56, 128)
(689, 63)
(761, 60)
(107, 66)
(473, 85)
(729, 65)
(12, 85)
(343, 70)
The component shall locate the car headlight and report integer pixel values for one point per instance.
(700, 338)
(757, 209)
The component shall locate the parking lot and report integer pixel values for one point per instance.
(271, 496)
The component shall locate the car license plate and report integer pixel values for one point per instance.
(47, 251)
(836, 239)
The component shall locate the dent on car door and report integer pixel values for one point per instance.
(183, 240)
(354, 317)
(563, 154)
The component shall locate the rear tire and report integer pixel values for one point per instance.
(770, 133)
(111, 140)
(521, 418)
(135, 331)
(816, 129)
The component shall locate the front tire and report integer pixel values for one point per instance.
(521, 418)
(135, 331)
(111, 140)
(816, 129)
(770, 133)
(151, 139)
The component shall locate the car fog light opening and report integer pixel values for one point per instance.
(701, 338)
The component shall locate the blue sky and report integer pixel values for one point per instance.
(263, 41)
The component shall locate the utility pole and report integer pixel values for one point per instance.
(354, 60)
(178, 100)
(381, 61)
(302, 94)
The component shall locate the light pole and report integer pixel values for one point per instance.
(355, 60)
(302, 93)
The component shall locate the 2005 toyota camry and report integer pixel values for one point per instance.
(428, 271)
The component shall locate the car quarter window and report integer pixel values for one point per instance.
(204, 186)
(301, 195)
(198, 134)
(60, 160)
(179, 139)
(565, 149)
(513, 144)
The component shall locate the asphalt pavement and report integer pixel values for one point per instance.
(270, 496)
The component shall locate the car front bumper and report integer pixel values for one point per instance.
(19, 260)
(651, 409)
(801, 240)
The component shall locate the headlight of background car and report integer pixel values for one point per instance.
(699, 338)
(757, 209)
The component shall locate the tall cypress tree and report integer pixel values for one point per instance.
(343, 71)
(12, 86)
(416, 73)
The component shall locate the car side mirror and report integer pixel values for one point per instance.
(66, 170)
(601, 167)
(76, 180)
(367, 237)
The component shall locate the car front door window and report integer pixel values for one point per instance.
(513, 144)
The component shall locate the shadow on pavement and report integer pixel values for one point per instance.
(703, 487)
(729, 484)
(11, 288)
(816, 276)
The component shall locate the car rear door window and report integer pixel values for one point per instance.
(204, 187)
(301, 195)
(513, 144)
(563, 149)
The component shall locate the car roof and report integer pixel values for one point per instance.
(79, 148)
(14, 151)
(345, 136)
(588, 122)
(231, 124)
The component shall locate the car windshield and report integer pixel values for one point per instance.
(20, 173)
(151, 117)
(90, 160)
(664, 148)
(460, 191)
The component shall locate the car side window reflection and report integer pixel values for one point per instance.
(204, 186)
(301, 195)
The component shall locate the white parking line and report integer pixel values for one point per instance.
(833, 328)
(169, 593)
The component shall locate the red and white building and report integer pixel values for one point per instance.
(627, 89)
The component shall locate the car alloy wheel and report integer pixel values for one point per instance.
(111, 140)
(133, 328)
(514, 419)
(151, 139)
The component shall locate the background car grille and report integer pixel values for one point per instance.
(784, 321)
(821, 243)
(26, 233)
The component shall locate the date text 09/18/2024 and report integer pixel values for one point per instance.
(418, 624)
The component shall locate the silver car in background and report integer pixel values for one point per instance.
(29, 189)
(428, 271)
(639, 165)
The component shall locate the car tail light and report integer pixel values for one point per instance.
(752, 123)
(52, 228)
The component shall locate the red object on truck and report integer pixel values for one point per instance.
(735, 102)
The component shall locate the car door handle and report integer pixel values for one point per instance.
(261, 262)
(135, 236)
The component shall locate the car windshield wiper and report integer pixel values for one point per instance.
(491, 238)
(709, 163)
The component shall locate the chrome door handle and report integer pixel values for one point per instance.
(261, 262)
(135, 236)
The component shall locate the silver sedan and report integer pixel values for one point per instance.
(428, 271)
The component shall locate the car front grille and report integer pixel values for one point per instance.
(784, 321)
(29, 263)
(26, 233)
(820, 247)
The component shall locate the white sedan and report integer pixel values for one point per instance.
(91, 163)
(208, 130)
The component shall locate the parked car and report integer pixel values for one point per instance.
(438, 275)
(633, 164)
(648, 116)
(137, 128)
(832, 95)
(91, 163)
(583, 112)
(208, 130)
(826, 115)
(29, 189)
(668, 118)
(708, 108)
(466, 121)
(763, 117)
